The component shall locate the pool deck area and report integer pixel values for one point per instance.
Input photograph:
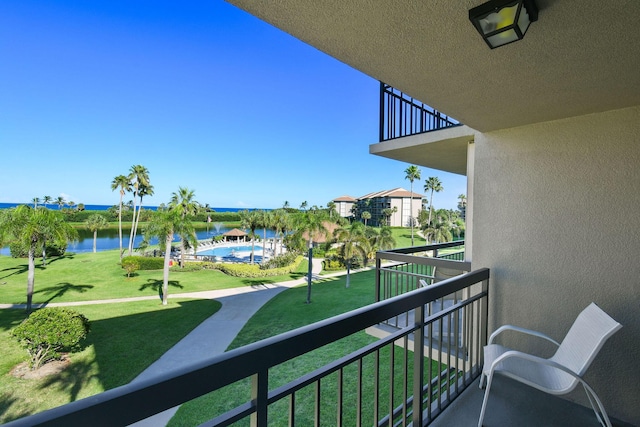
(237, 256)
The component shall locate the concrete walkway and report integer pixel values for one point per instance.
(214, 335)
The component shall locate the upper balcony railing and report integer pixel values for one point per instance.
(402, 115)
(405, 378)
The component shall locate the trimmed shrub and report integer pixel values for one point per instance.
(145, 263)
(253, 270)
(130, 265)
(48, 331)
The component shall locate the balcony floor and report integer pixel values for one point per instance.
(514, 404)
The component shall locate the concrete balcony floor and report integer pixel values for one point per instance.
(514, 404)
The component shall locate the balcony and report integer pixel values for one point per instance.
(422, 369)
(402, 115)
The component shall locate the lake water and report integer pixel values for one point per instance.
(108, 239)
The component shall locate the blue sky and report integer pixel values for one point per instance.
(201, 93)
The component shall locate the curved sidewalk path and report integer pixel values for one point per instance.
(215, 334)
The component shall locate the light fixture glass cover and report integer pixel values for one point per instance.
(500, 22)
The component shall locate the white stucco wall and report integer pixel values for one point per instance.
(556, 217)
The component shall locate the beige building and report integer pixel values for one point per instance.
(344, 205)
(389, 207)
(549, 142)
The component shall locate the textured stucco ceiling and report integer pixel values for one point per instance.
(580, 57)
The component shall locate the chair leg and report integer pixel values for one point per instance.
(484, 401)
(481, 384)
(602, 415)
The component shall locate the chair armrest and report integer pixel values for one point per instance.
(522, 330)
(533, 358)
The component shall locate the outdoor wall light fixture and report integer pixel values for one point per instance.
(500, 22)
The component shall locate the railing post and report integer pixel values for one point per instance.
(378, 281)
(418, 365)
(259, 397)
(382, 94)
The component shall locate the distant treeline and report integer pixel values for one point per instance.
(112, 215)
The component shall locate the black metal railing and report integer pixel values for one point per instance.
(402, 115)
(406, 377)
(407, 269)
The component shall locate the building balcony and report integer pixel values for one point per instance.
(422, 369)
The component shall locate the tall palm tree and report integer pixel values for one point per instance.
(32, 228)
(184, 202)
(60, 202)
(46, 200)
(250, 220)
(303, 205)
(35, 202)
(139, 178)
(71, 204)
(122, 184)
(352, 243)
(432, 184)
(312, 222)
(412, 173)
(163, 225)
(94, 223)
(281, 224)
(266, 221)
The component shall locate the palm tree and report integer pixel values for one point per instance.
(387, 213)
(32, 228)
(266, 220)
(412, 173)
(184, 202)
(35, 202)
(94, 223)
(432, 184)
(46, 200)
(122, 184)
(281, 224)
(250, 220)
(303, 205)
(71, 204)
(60, 202)
(285, 205)
(352, 240)
(139, 178)
(331, 207)
(366, 215)
(378, 239)
(163, 225)
(440, 230)
(313, 224)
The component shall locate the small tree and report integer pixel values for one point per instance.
(130, 265)
(46, 332)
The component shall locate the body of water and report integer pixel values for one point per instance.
(108, 239)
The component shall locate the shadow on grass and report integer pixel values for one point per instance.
(71, 380)
(23, 268)
(62, 288)
(9, 319)
(6, 402)
(123, 347)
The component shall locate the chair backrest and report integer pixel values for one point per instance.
(584, 340)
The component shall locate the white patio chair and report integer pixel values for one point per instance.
(560, 373)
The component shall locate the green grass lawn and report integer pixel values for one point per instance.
(288, 311)
(89, 276)
(125, 338)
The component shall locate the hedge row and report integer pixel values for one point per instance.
(253, 270)
(145, 263)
